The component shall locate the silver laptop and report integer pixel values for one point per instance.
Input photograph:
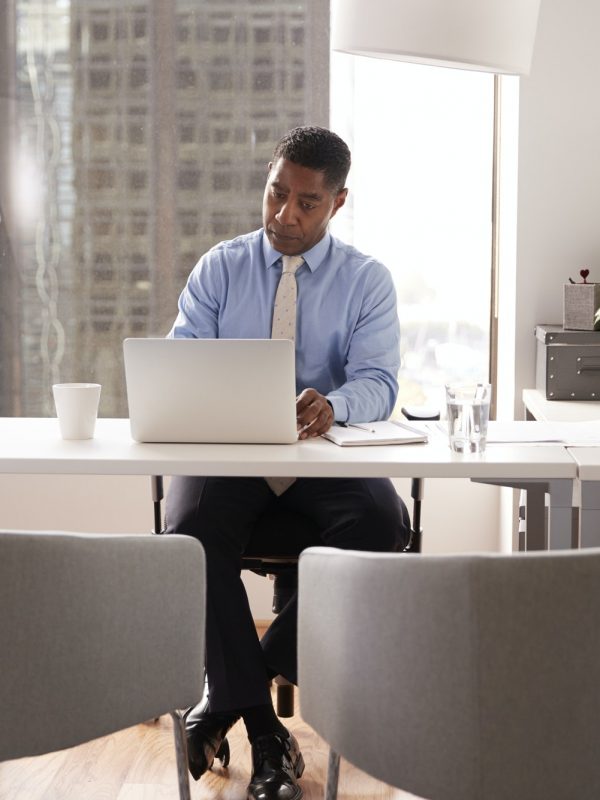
(211, 390)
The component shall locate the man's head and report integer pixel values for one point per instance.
(305, 188)
(318, 149)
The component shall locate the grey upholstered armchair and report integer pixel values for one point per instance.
(471, 677)
(97, 633)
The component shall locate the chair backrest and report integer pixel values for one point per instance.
(471, 677)
(97, 633)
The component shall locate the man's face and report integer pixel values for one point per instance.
(297, 207)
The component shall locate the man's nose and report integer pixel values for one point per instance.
(286, 214)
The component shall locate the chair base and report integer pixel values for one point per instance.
(183, 779)
(333, 775)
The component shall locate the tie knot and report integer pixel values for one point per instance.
(291, 263)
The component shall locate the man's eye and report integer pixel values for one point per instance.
(278, 195)
(307, 206)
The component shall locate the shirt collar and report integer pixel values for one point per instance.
(313, 257)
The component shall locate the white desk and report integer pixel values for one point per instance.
(33, 446)
(586, 458)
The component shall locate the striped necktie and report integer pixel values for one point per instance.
(284, 327)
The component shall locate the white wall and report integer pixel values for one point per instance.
(457, 515)
(559, 171)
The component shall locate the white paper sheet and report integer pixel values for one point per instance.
(573, 434)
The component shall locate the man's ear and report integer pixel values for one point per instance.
(269, 165)
(339, 201)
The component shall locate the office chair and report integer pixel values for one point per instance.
(272, 555)
(86, 648)
(468, 677)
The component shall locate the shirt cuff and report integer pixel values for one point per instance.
(339, 406)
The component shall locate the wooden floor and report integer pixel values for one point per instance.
(139, 764)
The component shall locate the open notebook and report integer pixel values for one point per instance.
(386, 432)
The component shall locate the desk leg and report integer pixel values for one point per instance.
(535, 523)
(560, 534)
(535, 517)
(156, 487)
(590, 514)
(560, 516)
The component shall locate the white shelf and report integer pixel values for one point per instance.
(560, 410)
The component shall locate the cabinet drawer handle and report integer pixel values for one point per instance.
(588, 364)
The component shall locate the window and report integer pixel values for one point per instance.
(262, 35)
(189, 177)
(421, 188)
(124, 168)
(138, 75)
(263, 79)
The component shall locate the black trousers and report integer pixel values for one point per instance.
(350, 513)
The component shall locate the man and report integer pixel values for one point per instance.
(347, 358)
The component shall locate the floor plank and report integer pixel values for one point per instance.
(139, 764)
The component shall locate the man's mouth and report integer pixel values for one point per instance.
(282, 236)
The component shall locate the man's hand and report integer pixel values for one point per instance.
(314, 415)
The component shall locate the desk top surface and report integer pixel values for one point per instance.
(588, 462)
(586, 458)
(33, 446)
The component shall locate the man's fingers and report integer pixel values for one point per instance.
(306, 397)
(306, 427)
(309, 414)
(315, 419)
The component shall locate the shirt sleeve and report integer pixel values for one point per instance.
(200, 301)
(373, 361)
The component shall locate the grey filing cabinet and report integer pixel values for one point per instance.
(567, 363)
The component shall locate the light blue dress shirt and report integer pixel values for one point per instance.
(347, 331)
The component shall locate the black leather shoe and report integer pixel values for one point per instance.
(206, 735)
(277, 764)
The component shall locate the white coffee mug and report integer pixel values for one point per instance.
(76, 408)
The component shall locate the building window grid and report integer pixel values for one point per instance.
(111, 143)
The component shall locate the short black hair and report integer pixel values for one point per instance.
(318, 149)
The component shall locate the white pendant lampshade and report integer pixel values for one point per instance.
(487, 35)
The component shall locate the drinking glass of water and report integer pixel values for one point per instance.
(468, 414)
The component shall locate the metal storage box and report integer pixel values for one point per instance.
(567, 363)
